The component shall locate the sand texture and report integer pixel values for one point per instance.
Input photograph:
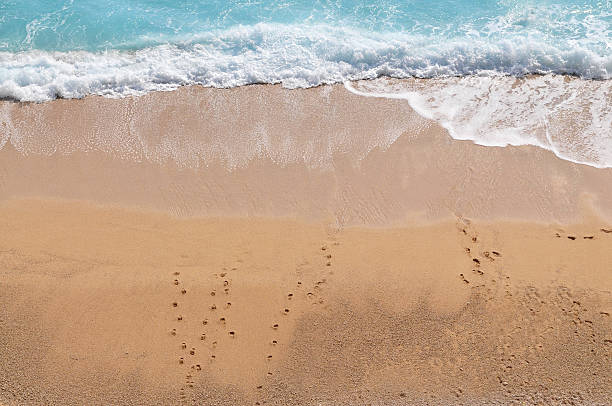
(309, 247)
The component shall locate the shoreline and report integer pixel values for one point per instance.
(377, 153)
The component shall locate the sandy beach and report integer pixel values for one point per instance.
(260, 245)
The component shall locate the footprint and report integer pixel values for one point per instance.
(606, 230)
(183, 291)
(571, 237)
(176, 281)
(588, 237)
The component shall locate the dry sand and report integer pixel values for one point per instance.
(357, 254)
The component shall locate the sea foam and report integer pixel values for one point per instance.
(295, 56)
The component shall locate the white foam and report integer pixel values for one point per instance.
(294, 55)
(570, 117)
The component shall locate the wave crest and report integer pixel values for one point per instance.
(296, 56)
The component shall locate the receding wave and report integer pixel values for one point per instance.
(295, 56)
(568, 116)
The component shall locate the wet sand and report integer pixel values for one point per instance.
(266, 246)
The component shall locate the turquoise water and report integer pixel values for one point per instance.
(56, 48)
(97, 25)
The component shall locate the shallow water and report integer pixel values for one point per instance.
(72, 49)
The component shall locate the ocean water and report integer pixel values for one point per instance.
(73, 48)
